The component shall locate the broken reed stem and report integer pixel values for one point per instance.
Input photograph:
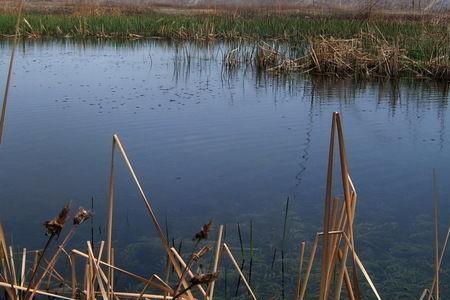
(348, 283)
(116, 144)
(9, 75)
(436, 236)
(361, 266)
(38, 263)
(216, 261)
(345, 176)
(110, 209)
(99, 274)
(6, 264)
(184, 273)
(349, 204)
(13, 267)
(132, 275)
(72, 261)
(300, 269)
(23, 268)
(327, 208)
(337, 252)
(233, 260)
(440, 260)
(190, 273)
(343, 272)
(309, 267)
(250, 266)
(54, 258)
(7, 285)
(282, 249)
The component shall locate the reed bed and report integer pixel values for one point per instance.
(367, 55)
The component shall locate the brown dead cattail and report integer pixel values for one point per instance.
(198, 279)
(203, 233)
(204, 278)
(81, 216)
(54, 226)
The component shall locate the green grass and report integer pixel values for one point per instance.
(290, 27)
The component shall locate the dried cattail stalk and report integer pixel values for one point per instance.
(203, 233)
(53, 227)
(204, 278)
(82, 215)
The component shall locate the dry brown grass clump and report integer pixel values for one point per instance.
(366, 55)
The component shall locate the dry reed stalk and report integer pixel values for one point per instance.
(436, 236)
(424, 294)
(53, 272)
(53, 260)
(350, 197)
(146, 296)
(335, 221)
(343, 274)
(233, 260)
(347, 281)
(110, 208)
(36, 259)
(13, 268)
(155, 280)
(189, 272)
(4, 253)
(99, 274)
(23, 266)
(113, 262)
(39, 292)
(90, 291)
(9, 74)
(300, 269)
(345, 176)
(309, 267)
(117, 144)
(129, 274)
(342, 269)
(444, 247)
(361, 266)
(86, 287)
(326, 221)
(73, 273)
(343, 258)
(7, 269)
(217, 255)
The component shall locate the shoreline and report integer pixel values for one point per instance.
(327, 45)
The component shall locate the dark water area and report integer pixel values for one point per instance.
(230, 147)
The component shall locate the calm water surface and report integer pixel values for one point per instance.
(228, 147)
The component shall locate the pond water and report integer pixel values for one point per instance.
(230, 147)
